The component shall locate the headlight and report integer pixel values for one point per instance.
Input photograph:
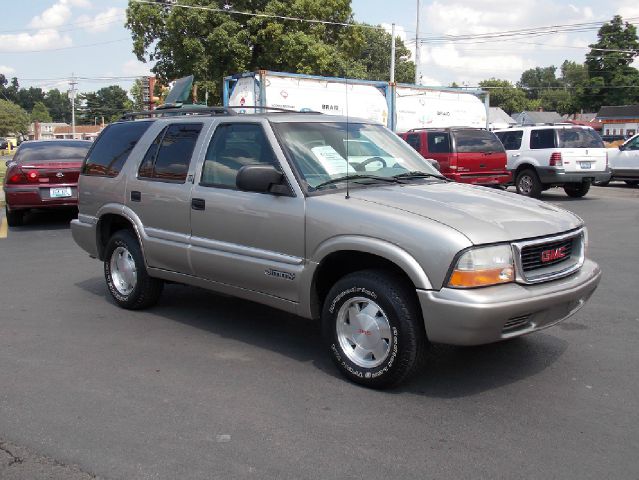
(483, 266)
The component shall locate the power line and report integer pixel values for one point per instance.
(83, 22)
(67, 48)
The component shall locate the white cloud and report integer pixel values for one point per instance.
(103, 21)
(41, 40)
(54, 16)
(135, 68)
(6, 70)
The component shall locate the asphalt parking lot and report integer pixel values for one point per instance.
(204, 386)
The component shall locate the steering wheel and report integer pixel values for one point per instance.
(362, 165)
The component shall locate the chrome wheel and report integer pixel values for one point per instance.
(525, 184)
(363, 332)
(123, 271)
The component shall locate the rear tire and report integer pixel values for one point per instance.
(632, 183)
(373, 328)
(577, 190)
(126, 277)
(15, 218)
(528, 183)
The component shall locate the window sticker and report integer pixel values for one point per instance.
(333, 162)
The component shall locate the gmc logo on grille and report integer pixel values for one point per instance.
(553, 254)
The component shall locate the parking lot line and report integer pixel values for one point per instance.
(3, 228)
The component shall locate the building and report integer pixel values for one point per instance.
(82, 132)
(44, 130)
(498, 119)
(532, 118)
(621, 121)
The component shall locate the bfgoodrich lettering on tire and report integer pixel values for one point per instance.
(126, 276)
(373, 328)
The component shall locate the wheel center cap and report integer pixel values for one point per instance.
(367, 335)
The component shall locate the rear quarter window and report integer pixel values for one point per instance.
(475, 141)
(438, 142)
(543, 138)
(511, 140)
(579, 138)
(113, 147)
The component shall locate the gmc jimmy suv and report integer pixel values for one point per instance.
(273, 208)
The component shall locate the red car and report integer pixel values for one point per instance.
(43, 174)
(466, 155)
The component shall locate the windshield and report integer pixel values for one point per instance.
(475, 141)
(579, 138)
(60, 151)
(319, 152)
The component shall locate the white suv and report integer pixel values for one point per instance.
(545, 156)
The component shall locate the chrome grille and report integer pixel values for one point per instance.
(532, 258)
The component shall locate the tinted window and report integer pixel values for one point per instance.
(632, 144)
(438, 142)
(542, 138)
(170, 153)
(112, 148)
(511, 140)
(232, 147)
(57, 150)
(414, 141)
(472, 141)
(579, 138)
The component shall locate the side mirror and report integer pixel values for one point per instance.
(261, 179)
(621, 147)
(434, 163)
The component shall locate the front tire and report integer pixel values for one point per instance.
(15, 218)
(373, 328)
(577, 190)
(528, 183)
(126, 277)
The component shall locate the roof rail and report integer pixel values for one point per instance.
(445, 128)
(176, 110)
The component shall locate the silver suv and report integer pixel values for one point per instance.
(272, 208)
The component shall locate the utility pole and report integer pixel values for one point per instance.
(417, 48)
(72, 93)
(392, 67)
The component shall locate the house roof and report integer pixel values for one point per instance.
(631, 111)
(78, 129)
(537, 117)
(497, 115)
(580, 117)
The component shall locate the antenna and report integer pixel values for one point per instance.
(347, 133)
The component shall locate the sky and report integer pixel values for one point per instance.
(47, 41)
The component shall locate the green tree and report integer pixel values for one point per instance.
(612, 79)
(13, 119)
(137, 95)
(9, 91)
(108, 102)
(40, 113)
(28, 97)
(505, 95)
(535, 80)
(211, 44)
(59, 105)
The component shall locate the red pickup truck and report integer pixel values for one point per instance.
(466, 155)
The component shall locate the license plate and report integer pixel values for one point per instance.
(585, 164)
(60, 192)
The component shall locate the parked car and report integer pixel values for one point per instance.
(384, 250)
(43, 174)
(4, 143)
(541, 157)
(624, 162)
(466, 155)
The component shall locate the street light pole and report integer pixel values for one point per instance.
(417, 48)
(392, 67)
(72, 93)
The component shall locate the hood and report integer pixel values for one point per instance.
(483, 215)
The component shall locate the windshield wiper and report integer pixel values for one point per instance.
(354, 178)
(418, 174)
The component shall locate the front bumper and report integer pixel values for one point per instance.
(22, 197)
(557, 176)
(84, 232)
(491, 314)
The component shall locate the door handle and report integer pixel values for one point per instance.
(198, 204)
(516, 154)
(136, 196)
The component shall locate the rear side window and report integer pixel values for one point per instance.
(112, 148)
(414, 141)
(169, 156)
(475, 141)
(438, 142)
(511, 139)
(579, 138)
(542, 139)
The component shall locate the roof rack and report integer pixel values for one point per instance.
(445, 128)
(171, 110)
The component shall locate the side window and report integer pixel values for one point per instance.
(511, 139)
(542, 139)
(112, 148)
(232, 147)
(633, 144)
(438, 142)
(169, 156)
(414, 141)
